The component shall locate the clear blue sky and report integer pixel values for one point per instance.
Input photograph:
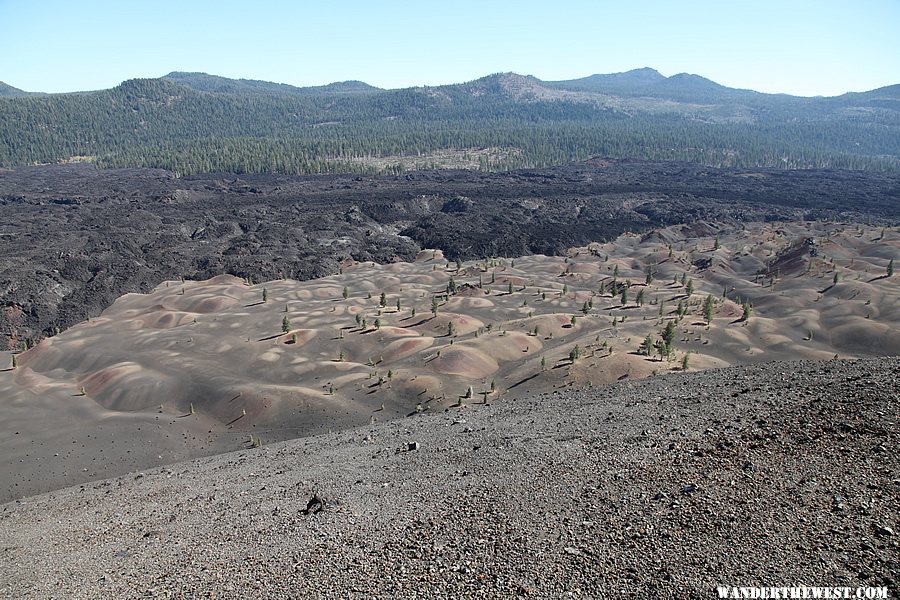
(806, 47)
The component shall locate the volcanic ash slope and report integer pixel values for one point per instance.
(197, 368)
(769, 474)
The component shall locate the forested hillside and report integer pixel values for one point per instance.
(193, 123)
(7, 90)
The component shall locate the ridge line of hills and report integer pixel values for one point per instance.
(193, 123)
(645, 80)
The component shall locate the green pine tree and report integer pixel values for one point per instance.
(669, 332)
(708, 309)
(747, 310)
(575, 353)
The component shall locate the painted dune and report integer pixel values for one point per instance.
(196, 368)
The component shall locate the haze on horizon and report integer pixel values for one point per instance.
(804, 47)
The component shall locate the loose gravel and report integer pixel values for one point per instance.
(774, 474)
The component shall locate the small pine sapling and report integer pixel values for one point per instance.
(574, 353)
(708, 309)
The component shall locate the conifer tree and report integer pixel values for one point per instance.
(575, 353)
(668, 333)
(708, 309)
(647, 345)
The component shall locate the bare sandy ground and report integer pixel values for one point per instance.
(199, 368)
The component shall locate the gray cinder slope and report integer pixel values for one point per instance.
(763, 475)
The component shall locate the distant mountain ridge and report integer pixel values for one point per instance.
(649, 82)
(644, 81)
(203, 82)
(8, 91)
(195, 122)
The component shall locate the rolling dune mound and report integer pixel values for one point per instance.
(202, 367)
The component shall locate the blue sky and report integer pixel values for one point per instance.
(805, 47)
